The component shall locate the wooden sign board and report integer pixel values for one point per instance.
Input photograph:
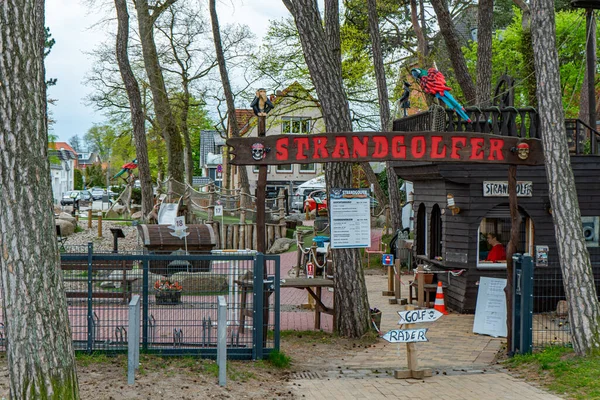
(500, 189)
(384, 146)
(418, 316)
(406, 336)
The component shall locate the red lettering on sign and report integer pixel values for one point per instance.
(301, 145)
(435, 147)
(381, 146)
(341, 148)
(282, 149)
(398, 147)
(360, 149)
(496, 149)
(417, 146)
(456, 140)
(320, 151)
(477, 152)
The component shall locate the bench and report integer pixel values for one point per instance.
(100, 265)
(428, 288)
(125, 294)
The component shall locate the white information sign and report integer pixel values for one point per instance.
(218, 211)
(500, 189)
(490, 312)
(406, 335)
(418, 316)
(350, 218)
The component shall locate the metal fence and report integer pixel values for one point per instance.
(550, 317)
(180, 321)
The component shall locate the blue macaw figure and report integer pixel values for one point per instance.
(433, 82)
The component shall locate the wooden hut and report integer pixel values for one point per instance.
(453, 239)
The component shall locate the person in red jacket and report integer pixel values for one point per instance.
(497, 252)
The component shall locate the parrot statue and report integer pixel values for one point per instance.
(433, 82)
(129, 167)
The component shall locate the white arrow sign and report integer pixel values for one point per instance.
(416, 316)
(406, 336)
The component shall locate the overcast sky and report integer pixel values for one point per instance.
(71, 24)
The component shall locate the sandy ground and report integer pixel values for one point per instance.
(105, 378)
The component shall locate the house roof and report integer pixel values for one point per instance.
(61, 146)
(243, 116)
(207, 144)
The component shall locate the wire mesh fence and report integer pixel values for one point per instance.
(179, 294)
(551, 325)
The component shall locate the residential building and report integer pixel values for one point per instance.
(86, 159)
(211, 156)
(296, 112)
(63, 161)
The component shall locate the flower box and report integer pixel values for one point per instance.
(167, 297)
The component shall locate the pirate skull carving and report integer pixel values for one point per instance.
(523, 151)
(259, 151)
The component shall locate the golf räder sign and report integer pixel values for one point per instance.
(385, 146)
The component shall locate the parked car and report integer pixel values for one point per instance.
(97, 193)
(316, 199)
(85, 195)
(75, 195)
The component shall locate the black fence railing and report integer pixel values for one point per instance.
(179, 296)
(509, 121)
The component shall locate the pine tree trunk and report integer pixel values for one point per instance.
(485, 16)
(384, 114)
(231, 117)
(350, 294)
(39, 349)
(574, 258)
(135, 103)
(160, 99)
(457, 58)
(422, 45)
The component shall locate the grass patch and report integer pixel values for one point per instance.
(86, 359)
(561, 371)
(279, 359)
(309, 336)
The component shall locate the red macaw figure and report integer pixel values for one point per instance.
(433, 82)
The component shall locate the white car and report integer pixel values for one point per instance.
(97, 193)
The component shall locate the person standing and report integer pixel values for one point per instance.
(497, 252)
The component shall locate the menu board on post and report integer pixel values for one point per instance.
(350, 218)
(490, 312)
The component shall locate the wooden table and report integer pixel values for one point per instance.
(297, 283)
(428, 288)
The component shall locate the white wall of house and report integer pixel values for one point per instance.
(62, 178)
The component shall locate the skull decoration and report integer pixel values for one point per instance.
(259, 152)
(523, 150)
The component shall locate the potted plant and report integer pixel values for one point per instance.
(167, 292)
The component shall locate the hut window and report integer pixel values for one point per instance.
(493, 236)
(422, 230)
(435, 232)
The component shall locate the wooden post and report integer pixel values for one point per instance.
(412, 358)
(420, 286)
(100, 224)
(243, 201)
(390, 291)
(90, 218)
(261, 187)
(515, 220)
(211, 204)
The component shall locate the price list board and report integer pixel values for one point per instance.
(350, 218)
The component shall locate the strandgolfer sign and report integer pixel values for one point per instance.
(406, 336)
